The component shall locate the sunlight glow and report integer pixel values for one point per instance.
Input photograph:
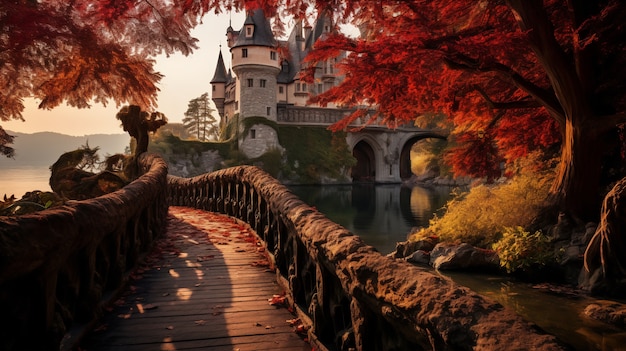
(191, 264)
(184, 294)
(167, 344)
(174, 274)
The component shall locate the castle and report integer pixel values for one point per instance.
(266, 78)
(266, 84)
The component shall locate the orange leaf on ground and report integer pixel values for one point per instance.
(277, 300)
(300, 329)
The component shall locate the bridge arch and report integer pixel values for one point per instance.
(405, 154)
(368, 152)
(365, 168)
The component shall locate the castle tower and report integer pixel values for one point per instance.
(218, 85)
(256, 64)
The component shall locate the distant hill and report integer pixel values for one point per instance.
(43, 149)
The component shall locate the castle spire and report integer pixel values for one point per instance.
(220, 70)
(218, 85)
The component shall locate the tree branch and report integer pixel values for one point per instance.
(543, 97)
(509, 105)
(532, 18)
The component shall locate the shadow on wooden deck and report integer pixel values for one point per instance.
(205, 286)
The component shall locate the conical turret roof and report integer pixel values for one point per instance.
(220, 71)
(262, 35)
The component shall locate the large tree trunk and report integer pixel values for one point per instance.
(578, 177)
(584, 144)
(576, 187)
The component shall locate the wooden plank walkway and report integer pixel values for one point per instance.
(206, 286)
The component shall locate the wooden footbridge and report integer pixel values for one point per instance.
(206, 286)
(154, 267)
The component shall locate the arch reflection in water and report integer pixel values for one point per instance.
(381, 214)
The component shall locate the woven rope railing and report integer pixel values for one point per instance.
(350, 296)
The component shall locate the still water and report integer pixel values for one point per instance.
(381, 215)
(20, 180)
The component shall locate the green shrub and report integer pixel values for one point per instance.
(520, 250)
(478, 217)
(313, 153)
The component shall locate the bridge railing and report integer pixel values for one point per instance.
(349, 295)
(58, 266)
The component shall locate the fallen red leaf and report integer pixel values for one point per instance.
(277, 300)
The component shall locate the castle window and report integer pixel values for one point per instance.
(249, 31)
(281, 90)
(252, 133)
(303, 86)
(273, 55)
(320, 88)
(244, 52)
(262, 83)
(269, 110)
(214, 88)
(250, 82)
(298, 87)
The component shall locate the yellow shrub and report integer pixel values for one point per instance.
(479, 216)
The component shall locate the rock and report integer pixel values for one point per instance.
(562, 230)
(590, 230)
(406, 248)
(463, 256)
(572, 253)
(418, 257)
(610, 312)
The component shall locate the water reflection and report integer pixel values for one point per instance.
(558, 315)
(380, 214)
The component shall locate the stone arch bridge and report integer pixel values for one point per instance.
(382, 154)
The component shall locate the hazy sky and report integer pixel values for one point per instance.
(186, 77)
